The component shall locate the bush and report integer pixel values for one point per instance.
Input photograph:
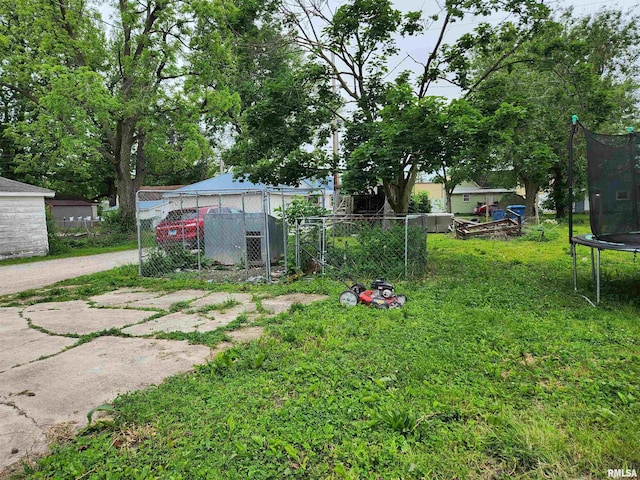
(420, 203)
(56, 244)
(160, 262)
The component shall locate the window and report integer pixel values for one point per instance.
(622, 195)
(466, 197)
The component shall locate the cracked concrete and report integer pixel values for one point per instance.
(48, 380)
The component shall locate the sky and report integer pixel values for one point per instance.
(416, 50)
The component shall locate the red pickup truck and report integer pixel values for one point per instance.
(186, 225)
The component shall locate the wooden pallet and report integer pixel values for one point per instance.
(467, 229)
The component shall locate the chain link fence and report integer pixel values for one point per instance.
(221, 236)
(361, 248)
(238, 236)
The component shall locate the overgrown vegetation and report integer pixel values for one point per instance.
(493, 369)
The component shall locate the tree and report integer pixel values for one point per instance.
(131, 100)
(566, 70)
(285, 105)
(357, 42)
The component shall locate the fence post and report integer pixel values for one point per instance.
(139, 234)
(406, 245)
(267, 237)
(199, 240)
(245, 252)
(285, 233)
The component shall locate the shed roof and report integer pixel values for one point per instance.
(70, 203)
(12, 188)
(227, 182)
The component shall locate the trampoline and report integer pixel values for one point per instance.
(613, 179)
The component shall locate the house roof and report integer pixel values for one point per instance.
(162, 187)
(69, 203)
(12, 188)
(227, 182)
(472, 190)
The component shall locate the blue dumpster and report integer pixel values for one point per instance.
(518, 210)
(499, 214)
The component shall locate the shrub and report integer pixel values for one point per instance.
(160, 262)
(56, 243)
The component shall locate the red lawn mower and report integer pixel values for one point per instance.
(380, 295)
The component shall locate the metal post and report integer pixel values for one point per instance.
(244, 237)
(593, 271)
(139, 231)
(297, 245)
(285, 233)
(406, 245)
(575, 267)
(324, 244)
(265, 239)
(198, 239)
(598, 276)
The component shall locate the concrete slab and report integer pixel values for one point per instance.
(163, 302)
(78, 317)
(217, 298)
(174, 322)
(222, 318)
(19, 436)
(124, 296)
(246, 335)
(20, 344)
(283, 302)
(66, 387)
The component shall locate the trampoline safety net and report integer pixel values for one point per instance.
(613, 166)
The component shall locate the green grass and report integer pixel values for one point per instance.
(76, 252)
(494, 368)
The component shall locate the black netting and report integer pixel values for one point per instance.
(613, 165)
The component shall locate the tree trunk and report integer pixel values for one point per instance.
(127, 182)
(531, 189)
(398, 191)
(559, 193)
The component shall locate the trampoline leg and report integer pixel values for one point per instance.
(598, 277)
(593, 272)
(575, 267)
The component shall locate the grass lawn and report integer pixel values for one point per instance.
(494, 368)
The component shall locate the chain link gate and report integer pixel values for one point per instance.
(361, 247)
(222, 236)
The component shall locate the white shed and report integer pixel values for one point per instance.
(23, 225)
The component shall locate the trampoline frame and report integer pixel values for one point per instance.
(589, 240)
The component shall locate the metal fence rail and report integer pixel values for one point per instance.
(220, 236)
(242, 235)
(364, 247)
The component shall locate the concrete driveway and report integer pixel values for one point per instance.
(18, 278)
(50, 379)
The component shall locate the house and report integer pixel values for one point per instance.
(23, 224)
(465, 197)
(468, 195)
(151, 204)
(72, 213)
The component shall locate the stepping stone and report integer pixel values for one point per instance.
(217, 298)
(64, 388)
(20, 344)
(283, 302)
(163, 302)
(246, 335)
(19, 437)
(123, 297)
(78, 317)
(174, 322)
